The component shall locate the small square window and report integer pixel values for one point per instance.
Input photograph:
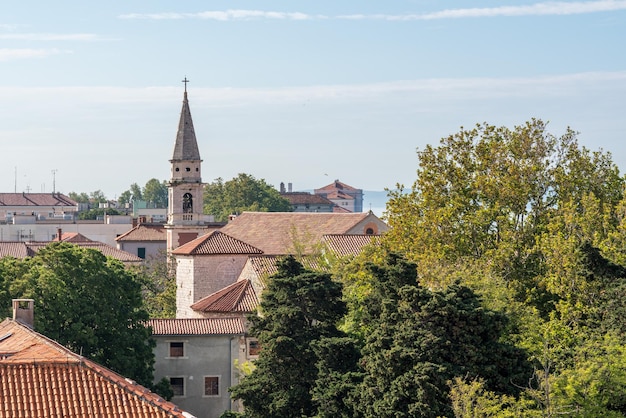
(178, 385)
(253, 347)
(177, 349)
(211, 386)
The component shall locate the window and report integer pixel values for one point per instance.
(211, 386)
(141, 252)
(187, 203)
(178, 385)
(369, 231)
(177, 349)
(187, 169)
(253, 347)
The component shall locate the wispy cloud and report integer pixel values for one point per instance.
(51, 36)
(537, 9)
(8, 27)
(224, 15)
(11, 54)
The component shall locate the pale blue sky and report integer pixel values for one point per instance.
(293, 91)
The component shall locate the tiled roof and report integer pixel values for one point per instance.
(35, 199)
(338, 194)
(144, 232)
(74, 237)
(336, 185)
(29, 249)
(263, 266)
(41, 378)
(238, 297)
(198, 326)
(15, 250)
(276, 232)
(344, 245)
(216, 242)
(304, 198)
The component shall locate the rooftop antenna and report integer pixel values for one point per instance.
(15, 187)
(54, 177)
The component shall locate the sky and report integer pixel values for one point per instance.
(301, 92)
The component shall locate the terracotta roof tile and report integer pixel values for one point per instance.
(336, 185)
(216, 242)
(276, 232)
(41, 378)
(74, 237)
(29, 249)
(35, 199)
(304, 198)
(144, 232)
(238, 297)
(344, 245)
(198, 326)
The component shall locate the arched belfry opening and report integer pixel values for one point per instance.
(187, 203)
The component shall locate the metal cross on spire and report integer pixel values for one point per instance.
(185, 81)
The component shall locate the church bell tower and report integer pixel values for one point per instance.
(185, 218)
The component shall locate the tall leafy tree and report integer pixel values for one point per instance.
(155, 193)
(242, 193)
(296, 326)
(91, 304)
(421, 339)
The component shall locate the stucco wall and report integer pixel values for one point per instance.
(203, 356)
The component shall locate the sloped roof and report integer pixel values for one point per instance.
(344, 245)
(41, 378)
(216, 242)
(74, 237)
(144, 232)
(238, 297)
(338, 194)
(198, 326)
(29, 249)
(304, 198)
(336, 185)
(35, 199)
(186, 146)
(273, 232)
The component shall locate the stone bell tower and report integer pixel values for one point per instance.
(185, 218)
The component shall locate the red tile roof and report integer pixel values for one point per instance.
(304, 198)
(29, 249)
(74, 237)
(238, 297)
(338, 194)
(336, 185)
(216, 242)
(35, 199)
(198, 326)
(277, 232)
(41, 378)
(145, 232)
(344, 245)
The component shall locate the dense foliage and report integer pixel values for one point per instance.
(242, 193)
(87, 302)
(297, 331)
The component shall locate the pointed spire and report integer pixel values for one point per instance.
(186, 147)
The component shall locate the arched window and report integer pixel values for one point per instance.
(369, 231)
(187, 203)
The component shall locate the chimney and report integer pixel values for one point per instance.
(24, 311)
(289, 187)
(282, 187)
(59, 234)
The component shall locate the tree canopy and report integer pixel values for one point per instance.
(242, 193)
(87, 302)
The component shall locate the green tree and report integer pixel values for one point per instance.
(242, 193)
(135, 191)
(155, 193)
(79, 197)
(125, 197)
(93, 214)
(297, 323)
(97, 196)
(421, 339)
(91, 304)
(158, 278)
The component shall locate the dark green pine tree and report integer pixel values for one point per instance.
(296, 325)
(421, 339)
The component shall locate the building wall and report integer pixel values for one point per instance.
(152, 249)
(204, 355)
(96, 231)
(200, 276)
